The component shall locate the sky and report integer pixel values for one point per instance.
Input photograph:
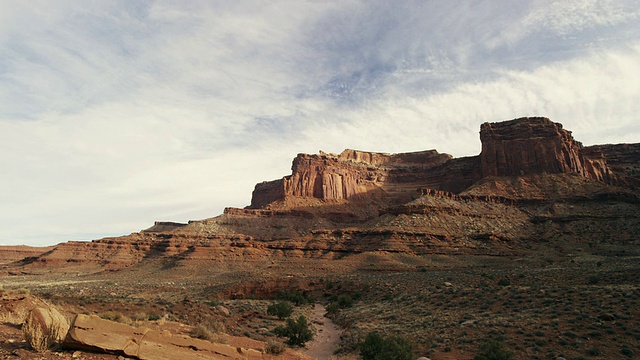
(115, 114)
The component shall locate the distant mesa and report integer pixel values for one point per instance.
(161, 226)
(524, 146)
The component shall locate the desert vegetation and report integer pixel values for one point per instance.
(551, 307)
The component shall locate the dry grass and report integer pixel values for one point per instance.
(202, 332)
(45, 329)
(117, 317)
(274, 347)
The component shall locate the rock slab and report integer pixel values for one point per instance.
(90, 332)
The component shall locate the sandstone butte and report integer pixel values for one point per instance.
(511, 148)
(518, 189)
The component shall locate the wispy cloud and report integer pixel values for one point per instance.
(119, 113)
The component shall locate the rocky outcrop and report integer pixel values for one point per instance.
(519, 147)
(539, 146)
(622, 160)
(350, 175)
(455, 175)
(528, 146)
(326, 177)
(267, 192)
(89, 332)
(14, 307)
(109, 252)
(161, 226)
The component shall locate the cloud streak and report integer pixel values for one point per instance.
(116, 114)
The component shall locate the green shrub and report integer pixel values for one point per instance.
(626, 352)
(280, 309)
(504, 282)
(298, 331)
(339, 302)
(295, 297)
(372, 346)
(493, 350)
(594, 351)
(345, 301)
(375, 347)
(333, 307)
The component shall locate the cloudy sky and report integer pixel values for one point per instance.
(117, 113)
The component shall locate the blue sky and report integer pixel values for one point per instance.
(118, 113)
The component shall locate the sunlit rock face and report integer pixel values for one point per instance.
(529, 146)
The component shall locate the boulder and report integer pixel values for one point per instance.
(45, 328)
(89, 332)
(14, 307)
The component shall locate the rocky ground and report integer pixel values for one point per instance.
(580, 305)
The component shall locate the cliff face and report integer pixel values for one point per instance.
(537, 145)
(328, 177)
(622, 163)
(267, 192)
(350, 175)
(517, 147)
(528, 146)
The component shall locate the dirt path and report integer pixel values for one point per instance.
(326, 337)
